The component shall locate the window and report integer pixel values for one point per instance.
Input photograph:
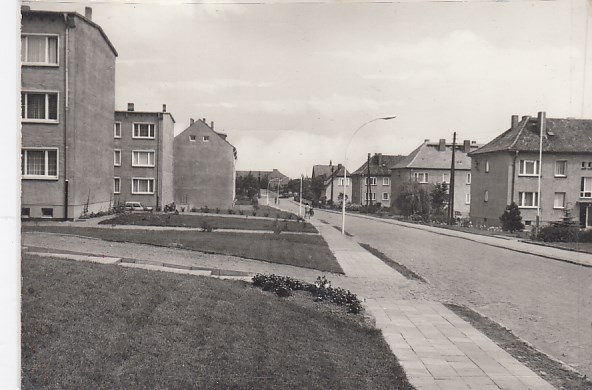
(586, 187)
(421, 177)
(206, 138)
(340, 182)
(117, 130)
(372, 181)
(486, 166)
(386, 181)
(468, 178)
(39, 163)
(39, 106)
(117, 157)
(528, 199)
(39, 49)
(385, 196)
(370, 196)
(559, 200)
(446, 178)
(47, 212)
(583, 164)
(529, 167)
(25, 212)
(192, 138)
(486, 196)
(142, 158)
(143, 130)
(561, 168)
(590, 165)
(467, 198)
(116, 185)
(142, 186)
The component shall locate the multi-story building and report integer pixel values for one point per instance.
(508, 168)
(373, 185)
(431, 164)
(205, 167)
(67, 103)
(333, 182)
(143, 157)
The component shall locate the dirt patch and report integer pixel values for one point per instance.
(400, 268)
(549, 369)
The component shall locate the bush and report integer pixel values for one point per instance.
(556, 233)
(194, 210)
(205, 209)
(511, 219)
(206, 227)
(241, 211)
(230, 211)
(217, 210)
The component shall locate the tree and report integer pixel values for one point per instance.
(247, 186)
(317, 186)
(439, 198)
(511, 219)
(413, 199)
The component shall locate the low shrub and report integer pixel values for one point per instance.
(205, 209)
(266, 214)
(194, 210)
(230, 211)
(217, 210)
(559, 233)
(254, 213)
(241, 212)
(206, 227)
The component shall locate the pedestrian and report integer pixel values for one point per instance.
(306, 210)
(311, 212)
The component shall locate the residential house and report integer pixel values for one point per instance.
(373, 185)
(67, 104)
(507, 170)
(143, 157)
(204, 167)
(333, 182)
(430, 164)
(267, 177)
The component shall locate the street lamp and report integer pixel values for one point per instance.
(267, 191)
(386, 118)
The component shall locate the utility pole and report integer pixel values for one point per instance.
(332, 180)
(451, 184)
(368, 193)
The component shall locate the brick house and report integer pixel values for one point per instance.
(204, 166)
(67, 104)
(333, 182)
(143, 157)
(507, 169)
(378, 187)
(430, 164)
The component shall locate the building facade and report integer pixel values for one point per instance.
(371, 186)
(431, 164)
(67, 104)
(204, 166)
(333, 182)
(143, 157)
(507, 170)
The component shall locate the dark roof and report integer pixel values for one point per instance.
(325, 170)
(202, 123)
(26, 10)
(380, 165)
(273, 174)
(429, 156)
(559, 136)
(145, 112)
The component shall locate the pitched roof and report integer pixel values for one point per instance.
(429, 156)
(380, 165)
(560, 136)
(273, 174)
(156, 113)
(202, 124)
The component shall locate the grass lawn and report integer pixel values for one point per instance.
(309, 251)
(89, 326)
(262, 211)
(200, 221)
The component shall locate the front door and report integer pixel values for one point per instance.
(586, 215)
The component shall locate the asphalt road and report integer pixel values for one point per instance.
(546, 302)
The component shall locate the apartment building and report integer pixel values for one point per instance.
(143, 157)
(507, 170)
(67, 104)
(371, 183)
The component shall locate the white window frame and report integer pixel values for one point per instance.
(444, 175)
(205, 138)
(45, 176)
(116, 160)
(116, 134)
(134, 179)
(118, 181)
(192, 138)
(424, 177)
(583, 164)
(486, 196)
(559, 163)
(24, 102)
(150, 151)
(25, 48)
(522, 200)
(486, 166)
(372, 181)
(586, 187)
(522, 167)
(340, 182)
(468, 198)
(386, 181)
(372, 196)
(469, 178)
(385, 196)
(151, 126)
(557, 205)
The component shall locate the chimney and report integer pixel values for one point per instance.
(338, 166)
(426, 140)
(191, 121)
(442, 145)
(514, 121)
(130, 106)
(204, 120)
(212, 125)
(466, 146)
(542, 122)
(88, 13)
(164, 108)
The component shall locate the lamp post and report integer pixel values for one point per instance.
(300, 197)
(386, 118)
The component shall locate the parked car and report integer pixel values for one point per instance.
(136, 206)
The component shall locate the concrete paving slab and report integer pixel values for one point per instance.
(75, 257)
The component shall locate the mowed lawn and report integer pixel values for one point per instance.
(309, 251)
(213, 221)
(89, 326)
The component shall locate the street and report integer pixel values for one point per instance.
(546, 302)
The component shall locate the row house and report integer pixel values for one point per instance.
(508, 168)
(371, 183)
(204, 167)
(430, 164)
(67, 104)
(143, 157)
(334, 184)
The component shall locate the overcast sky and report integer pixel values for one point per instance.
(290, 83)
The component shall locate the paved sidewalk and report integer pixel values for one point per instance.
(437, 349)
